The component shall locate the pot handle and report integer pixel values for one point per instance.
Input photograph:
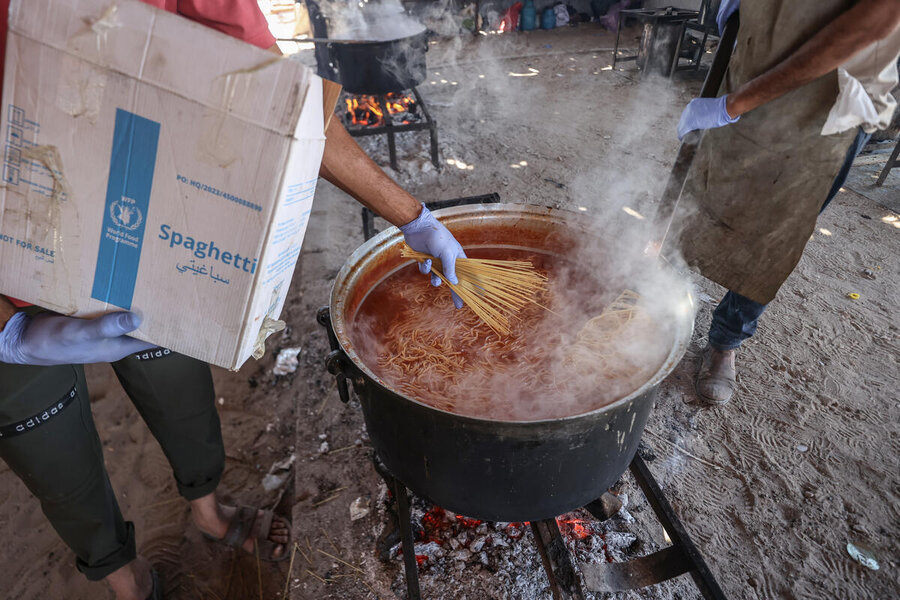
(343, 370)
(338, 363)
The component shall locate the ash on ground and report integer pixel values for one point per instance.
(413, 155)
(461, 557)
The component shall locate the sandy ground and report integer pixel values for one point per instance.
(771, 486)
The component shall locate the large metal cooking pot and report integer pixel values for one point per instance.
(492, 470)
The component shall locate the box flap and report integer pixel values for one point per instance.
(138, 40)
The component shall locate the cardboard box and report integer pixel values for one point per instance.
(155, 165)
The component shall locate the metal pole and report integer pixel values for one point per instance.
(432, 126)
(564, 582)
(890, 164)
(406, 538)
(688, 149)
(616, 47)
(389, 125)
(704, 579)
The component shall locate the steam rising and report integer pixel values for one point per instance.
(473, 82)
(375, 20)
(542, 370)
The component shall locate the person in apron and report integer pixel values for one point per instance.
(809, 82)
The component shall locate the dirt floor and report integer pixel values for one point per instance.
(772, 486)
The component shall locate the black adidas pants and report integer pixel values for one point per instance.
(48, 438)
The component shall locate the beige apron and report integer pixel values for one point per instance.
(755, 187)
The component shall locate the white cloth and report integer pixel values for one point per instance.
(866, 81)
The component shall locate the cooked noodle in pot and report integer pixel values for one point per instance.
(577, 358)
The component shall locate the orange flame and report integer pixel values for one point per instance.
(367, 110)
(575, 527)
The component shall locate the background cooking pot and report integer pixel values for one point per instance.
(368, 67)
(378, 67)
(493, 470)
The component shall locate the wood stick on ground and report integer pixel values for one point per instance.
(326, 500)
(369, 587)
(258, 569)
(679, 448)
(230, 576)
(334, 494)
(287, 581)
(350, 447)
(303, 553)
(316, 576)
(336, 550)
(161, 503)
(341, 560)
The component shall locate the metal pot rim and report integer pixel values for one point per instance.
(392, 235)
(357, 42)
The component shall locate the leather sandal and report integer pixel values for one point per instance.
(240, 527)
(717, 378)
(156, 592)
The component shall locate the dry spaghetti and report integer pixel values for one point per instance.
(495, 290)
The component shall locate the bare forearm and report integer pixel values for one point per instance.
(865, 23)
(346, 165)
(7, 310)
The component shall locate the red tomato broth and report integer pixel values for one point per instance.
(410, 335)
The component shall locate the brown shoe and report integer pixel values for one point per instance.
(716, 380)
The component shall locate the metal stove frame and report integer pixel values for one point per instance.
(683, 19)
(392, 129)
(893, 162)
(562, 573)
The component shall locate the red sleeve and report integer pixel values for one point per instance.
(238, 18)
(18, 303)
(4, 25)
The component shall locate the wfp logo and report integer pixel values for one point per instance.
(126, 214)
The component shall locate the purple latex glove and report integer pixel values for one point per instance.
(427, 234)
(726, 9)
(704, 113)
(48, 339)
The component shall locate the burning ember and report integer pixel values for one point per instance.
(574, 528)
(444, 533)
(443, 538)
(369, 110)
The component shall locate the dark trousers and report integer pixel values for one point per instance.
(48, 438)
(736, 317)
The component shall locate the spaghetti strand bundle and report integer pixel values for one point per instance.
(495, 290)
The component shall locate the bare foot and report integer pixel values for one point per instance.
(212, 518)
(133, 581)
